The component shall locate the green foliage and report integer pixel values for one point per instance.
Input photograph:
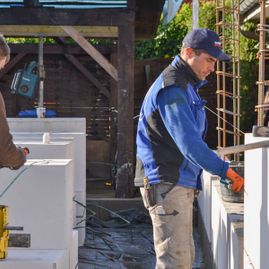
(248, 47)
(169, 37)
(29, 40)
(249, 75)
(248, 92)
(207, 15)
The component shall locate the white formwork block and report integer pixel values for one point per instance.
(35, 259)
(223, 214)
(237, 245)
(52, 150)
(79, 141)
(256, 231)
(41, 201)
(74, 250)
(47, 125)
(205, 200)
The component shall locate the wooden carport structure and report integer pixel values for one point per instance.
(138, 20)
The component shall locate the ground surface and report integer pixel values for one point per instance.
(124, 241)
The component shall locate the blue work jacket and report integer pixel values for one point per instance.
(171, 131)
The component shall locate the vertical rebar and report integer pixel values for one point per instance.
(228, 100)
(218, 78)
(223, 77)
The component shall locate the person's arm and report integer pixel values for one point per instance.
(179, 121)
(10, 155)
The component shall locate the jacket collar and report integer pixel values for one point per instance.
(190, 76)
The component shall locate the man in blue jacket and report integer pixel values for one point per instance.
(171, 151)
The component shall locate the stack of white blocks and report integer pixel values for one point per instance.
(221, 220)
(61, 129)
(79, 150)
(237, 243)
(41, 200)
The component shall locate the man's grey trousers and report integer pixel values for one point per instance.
(170, 207)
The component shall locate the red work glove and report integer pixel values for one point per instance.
(236, 181)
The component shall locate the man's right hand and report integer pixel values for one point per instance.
(237, 182)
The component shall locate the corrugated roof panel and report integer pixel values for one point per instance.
(92, 4)
(11, 1)
(83, 6)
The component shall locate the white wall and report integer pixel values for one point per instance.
(256, 230)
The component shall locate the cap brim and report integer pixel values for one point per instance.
(223, 57)
(220, 55)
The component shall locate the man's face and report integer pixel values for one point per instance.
(202, 65)
(3, 62)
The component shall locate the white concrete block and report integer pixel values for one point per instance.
(40, 200)
(205, 200)
(47, 125)
(256, 231)
(237, 246)
(223, 214)
(74, 250)
(35, 259)
(52, 150)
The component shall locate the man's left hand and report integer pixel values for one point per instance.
(26, 151)
(237, 182)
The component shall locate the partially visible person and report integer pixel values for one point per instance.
(10, 156)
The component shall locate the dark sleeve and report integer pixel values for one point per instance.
(10, 155)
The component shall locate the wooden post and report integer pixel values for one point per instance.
(125, 135)
(114, 116)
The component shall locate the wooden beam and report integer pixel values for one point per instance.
(51, 31)
(58, 49)
(11, 64)
(87, 74)
(125, 123)
(94, 53)
(61, 16)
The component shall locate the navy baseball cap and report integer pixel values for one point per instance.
(206, 40)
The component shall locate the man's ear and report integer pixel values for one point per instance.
(189, 52)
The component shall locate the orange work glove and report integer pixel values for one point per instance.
(236, 181)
